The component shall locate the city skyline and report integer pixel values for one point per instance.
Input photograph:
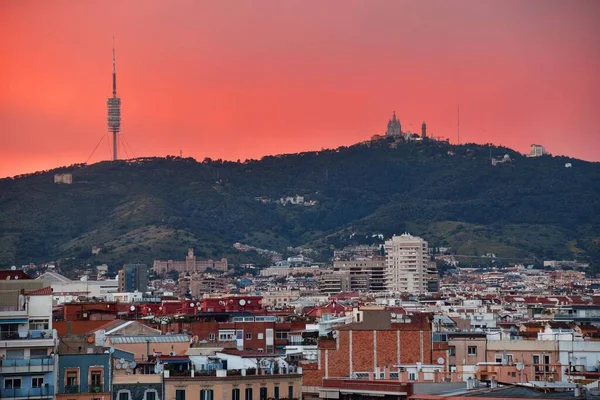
(243, 80)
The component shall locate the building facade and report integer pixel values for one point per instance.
(27, 344)
(133, 278)
(408, 268)
(394, 128)
(226, 385)
(190, 264)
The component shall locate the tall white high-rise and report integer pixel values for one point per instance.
(407, 264)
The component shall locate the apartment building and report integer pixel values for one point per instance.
(380, 342)
(234, 385)
(27, 341)
(366, 274)
(133, 278)
(408, 269)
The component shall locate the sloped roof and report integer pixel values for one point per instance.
(149, 338)
(46, 291)
(54, 277)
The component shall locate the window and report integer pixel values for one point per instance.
(227, 335)
(536, 359)
(37, 382)
(276, 392)
(206, 394)
(15, 354)
(38, 353)
(263, 393)
(95, 379)
(248, 394)
(124, 395)
(281, 335)
(260, 350)
(261, 336)
(411, 376)
(269, 349)
(290, 392)
(38, 324)
(211, 336)
(498, 358)
(235, 394)
(249, 336)
(451, 350)
(472, 350)
(150, 395)
(179, 394)
(12, 383)
(72, 378)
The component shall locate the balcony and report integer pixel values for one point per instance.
(13, 311)
(77, 389)
(45, 364)
(23, 339)
(43, 392)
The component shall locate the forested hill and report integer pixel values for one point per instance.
(528, 209)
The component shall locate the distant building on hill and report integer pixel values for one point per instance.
(65, 179)
(537, 151)
(394, 127)
(191, 264)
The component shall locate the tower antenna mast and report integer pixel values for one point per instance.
(114, 107)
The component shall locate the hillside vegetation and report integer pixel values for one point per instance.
(527, 210)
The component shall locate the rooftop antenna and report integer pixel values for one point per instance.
(114, 107)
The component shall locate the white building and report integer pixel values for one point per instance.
(407, 264)
(27, 344)
(66, 290)
(536, 150)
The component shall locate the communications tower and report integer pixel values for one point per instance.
(114, 108)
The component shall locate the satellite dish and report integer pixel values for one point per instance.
(132, 364)
(334, 334)
(249, 301)
(118, 366)
(111, 350)
(125, 365)
(519, 366)
(441, 360)
(393, 315)
(122, 360)
(132, 308)
(192, 304)
(242, 302)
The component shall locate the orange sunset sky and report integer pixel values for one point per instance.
(242, 79)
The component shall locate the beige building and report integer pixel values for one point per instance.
(366, 274)
(191, 264)
(408, 268)
(466, 348)
(280, 297)
(335, 282)
(226, 386)
(201, 284)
